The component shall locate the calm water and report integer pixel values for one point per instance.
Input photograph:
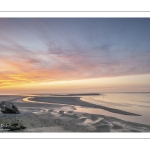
(138, 103)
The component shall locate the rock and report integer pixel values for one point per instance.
(13, 127)
(8, 108)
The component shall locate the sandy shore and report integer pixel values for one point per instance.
(61, 121)
(45, 114)
(78, 102)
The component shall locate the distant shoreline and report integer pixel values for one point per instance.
(83, 94)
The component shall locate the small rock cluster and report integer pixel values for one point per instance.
(13, 127)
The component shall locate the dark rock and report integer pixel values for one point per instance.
(22, 127)
(8, 108)
(14, 126)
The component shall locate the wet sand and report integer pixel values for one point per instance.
(78, 102)
(65, 120)
(50, 116)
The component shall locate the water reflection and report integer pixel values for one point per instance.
(138, 103)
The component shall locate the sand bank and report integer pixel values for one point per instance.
(78, 102)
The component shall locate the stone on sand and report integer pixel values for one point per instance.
(13, 127)
(8, 108)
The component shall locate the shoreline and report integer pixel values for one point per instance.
(38, 116)
(78, 102)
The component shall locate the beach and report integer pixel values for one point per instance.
(46, 113)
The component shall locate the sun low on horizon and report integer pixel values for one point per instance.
(74, 55)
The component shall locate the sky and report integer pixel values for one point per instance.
(74, 55)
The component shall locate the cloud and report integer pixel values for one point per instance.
(57, 63)
(66, 59)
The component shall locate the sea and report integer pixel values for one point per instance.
(138, 103)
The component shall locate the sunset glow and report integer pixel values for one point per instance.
(74, 55)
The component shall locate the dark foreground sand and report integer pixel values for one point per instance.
(46, 115)
(61, 121)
